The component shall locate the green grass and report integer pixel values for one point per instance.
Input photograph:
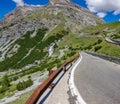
(23, 98)
(58, 29)
(38, 16)
(9, 92)
(110, 49)
(74, 42)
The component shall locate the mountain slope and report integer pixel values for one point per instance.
(27, 27)
(26, 18)
(19, 37)
(29, 34)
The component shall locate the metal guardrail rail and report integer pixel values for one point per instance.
(105, 57)
(42, 88)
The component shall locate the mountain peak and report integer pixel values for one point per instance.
(59, 1)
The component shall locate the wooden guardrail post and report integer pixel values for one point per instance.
(50, 72)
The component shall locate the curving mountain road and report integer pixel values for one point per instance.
(112, 41)
(98, 80)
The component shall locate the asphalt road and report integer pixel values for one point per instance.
(112, 41)
(98, 80)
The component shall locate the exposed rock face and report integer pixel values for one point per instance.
(18, 29)
(20, 11)
(26, 18)
(59, 1)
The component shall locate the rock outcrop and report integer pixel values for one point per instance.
(53, 2)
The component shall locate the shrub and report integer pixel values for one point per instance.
(5, 81)
(23, 85)
(3, 89)
(115, 36)
(97, 48)
(99, 41)
(71, 54)
(88, 47)
(96, 33)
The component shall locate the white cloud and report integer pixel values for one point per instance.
(117, 12)
(101, 14)
(19, 2)
(37, 5)
(103, 6)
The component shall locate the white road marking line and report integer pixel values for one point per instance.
(73, 87)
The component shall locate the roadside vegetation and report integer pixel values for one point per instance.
(8, 89)
(5, 87)
(22, 99)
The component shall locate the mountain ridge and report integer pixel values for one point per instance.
(53, 2)
(28, 9)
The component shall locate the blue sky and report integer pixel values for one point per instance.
(106, 9)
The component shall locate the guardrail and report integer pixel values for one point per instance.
(105, 57)
(42, 88)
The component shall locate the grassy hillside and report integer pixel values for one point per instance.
(111, 30)
(93, 38)
(31, 49)
(90, 43)
(36, 47)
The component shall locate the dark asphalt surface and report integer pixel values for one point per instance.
(98, 80)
